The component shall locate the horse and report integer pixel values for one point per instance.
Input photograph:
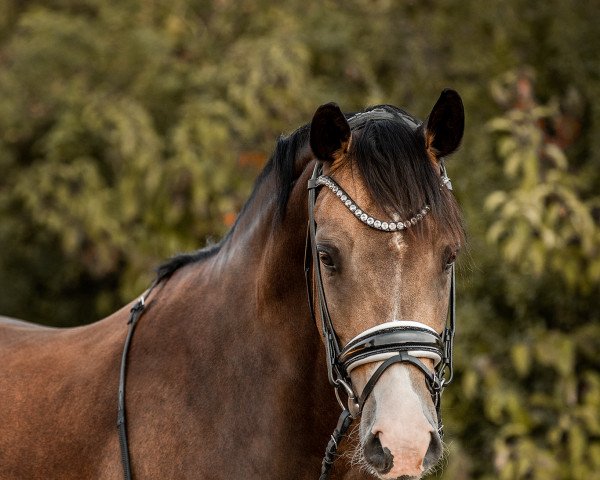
(229, 372)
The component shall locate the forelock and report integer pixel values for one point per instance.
(388, 150)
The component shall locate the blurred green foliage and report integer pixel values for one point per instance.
(132, 130)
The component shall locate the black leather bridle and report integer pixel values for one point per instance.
(397, 341)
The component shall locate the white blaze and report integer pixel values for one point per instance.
(400, 422)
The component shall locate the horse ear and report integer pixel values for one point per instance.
(329, 132)
(445, 125)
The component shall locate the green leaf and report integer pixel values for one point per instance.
(521, 359)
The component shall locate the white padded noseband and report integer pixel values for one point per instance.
(384, 356)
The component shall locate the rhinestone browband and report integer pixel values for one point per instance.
(391, 226)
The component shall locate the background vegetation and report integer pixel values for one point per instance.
(132, 130)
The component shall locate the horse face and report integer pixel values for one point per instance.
(371, 277)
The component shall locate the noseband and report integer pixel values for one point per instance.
(389, 343)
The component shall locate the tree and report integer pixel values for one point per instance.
(132, 130)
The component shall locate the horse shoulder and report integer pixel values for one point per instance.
(57, 383)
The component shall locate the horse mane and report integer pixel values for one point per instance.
(168, 268)
(391, 158)
(281, 164)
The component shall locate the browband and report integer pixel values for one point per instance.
(384, 225)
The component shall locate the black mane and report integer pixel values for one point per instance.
(169, 267)
(282, 163)
(389, 152)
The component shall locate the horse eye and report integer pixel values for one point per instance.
(326, 259)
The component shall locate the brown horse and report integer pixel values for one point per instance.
(227, 377)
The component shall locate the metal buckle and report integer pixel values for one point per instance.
(447, 362)
(444, 176)
(353, 405)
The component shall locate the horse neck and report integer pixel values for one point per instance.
(267, 249)
(249, 299)
(233, 333)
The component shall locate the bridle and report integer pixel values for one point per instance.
(391, 342)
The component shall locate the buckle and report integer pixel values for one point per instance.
(353, 405)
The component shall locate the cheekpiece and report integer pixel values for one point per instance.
(369, 220)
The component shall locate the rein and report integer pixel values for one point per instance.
(134, 316)
(393, 342)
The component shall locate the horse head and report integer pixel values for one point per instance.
(385, 231)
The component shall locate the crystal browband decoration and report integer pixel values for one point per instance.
(389, 226)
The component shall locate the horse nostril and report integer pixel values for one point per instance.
(434, 452)
(379, 457)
